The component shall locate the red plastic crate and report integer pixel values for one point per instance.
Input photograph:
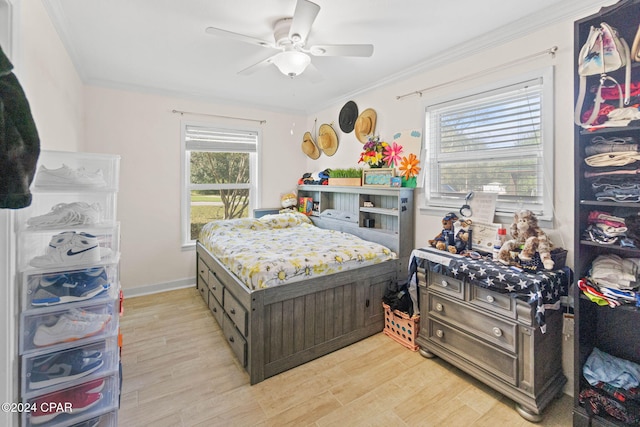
(401, 328)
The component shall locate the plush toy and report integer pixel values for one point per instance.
(288, 202)
(463, 234)
(445, 240)
(529, 236)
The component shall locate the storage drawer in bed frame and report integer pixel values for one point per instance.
(275, 329)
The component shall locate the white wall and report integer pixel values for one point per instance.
(142, 129)
(50, 81)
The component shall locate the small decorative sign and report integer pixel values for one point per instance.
(377, 177)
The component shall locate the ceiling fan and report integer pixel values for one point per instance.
(290, 36)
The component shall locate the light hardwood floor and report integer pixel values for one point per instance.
(179, 371)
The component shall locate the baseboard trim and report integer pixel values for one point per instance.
(159, 287)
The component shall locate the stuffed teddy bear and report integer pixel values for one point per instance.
(288, 202)
(529, 236)
(445, 240)
(463, 234)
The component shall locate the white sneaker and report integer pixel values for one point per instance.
(65, 330)
(69, 248)
(87, 316)
(66, 214)
(65, 175)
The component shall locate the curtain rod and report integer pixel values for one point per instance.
(551, 51)
(218, 115)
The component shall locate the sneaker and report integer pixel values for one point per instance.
(69, 248)
(87, 316)
(69, 401)
(66, 214)
(65, 175)
(70, 291)
(66, 329)
(76, 286)
(94, 386)
(62, 367)
(88, 274)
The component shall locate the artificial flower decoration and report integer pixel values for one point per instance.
(409, 166)
(372, 152)
(392, 154)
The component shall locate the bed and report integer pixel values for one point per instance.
(285, 291)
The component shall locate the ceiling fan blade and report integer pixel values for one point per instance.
(342, 50)
(257, 67)
(303, 18)
(240, 37)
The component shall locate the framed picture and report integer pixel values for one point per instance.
(377, 177)
(396, 181)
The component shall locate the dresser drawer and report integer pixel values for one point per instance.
(496, 331)
(215, 308)
(236, 312)
(502, 365)
(203, 288)
(216, 286)
(447, 285)
(492, 301)
(235, 339)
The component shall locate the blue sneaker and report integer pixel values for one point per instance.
(71, 287)
(61, 367)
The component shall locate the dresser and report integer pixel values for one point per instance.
(494, 325)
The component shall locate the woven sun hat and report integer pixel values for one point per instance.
(365, 125)
(348, 116)
(309, 147)
(327, 139)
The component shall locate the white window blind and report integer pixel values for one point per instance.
(200, 138)
(491, 142)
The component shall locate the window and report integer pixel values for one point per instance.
(219, 174)
(497, 140)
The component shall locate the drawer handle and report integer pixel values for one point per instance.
(439, 307)
(490, 298)
(215, 309)
(231, 339)
(439, 333)
(497, 331)
(214, 287)
(232, 311)
(444, 284)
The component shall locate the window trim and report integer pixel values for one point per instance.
(185, 197)
(546, 74)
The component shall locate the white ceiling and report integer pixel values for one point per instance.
(161, 45)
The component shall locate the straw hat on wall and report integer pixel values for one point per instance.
(327, 140)
(365, 125)
(309, 147)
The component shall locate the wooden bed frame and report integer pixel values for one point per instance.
(275, 329)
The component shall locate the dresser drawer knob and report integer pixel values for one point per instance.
(439, 333)
(232, 311)
(444, 283)
(490, 298)
(497, 331)
(231, 339)
(439, 307)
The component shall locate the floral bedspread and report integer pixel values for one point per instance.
(283, 248)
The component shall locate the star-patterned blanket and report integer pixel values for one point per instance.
(541, 289)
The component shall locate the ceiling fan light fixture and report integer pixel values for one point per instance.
(291, 62)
